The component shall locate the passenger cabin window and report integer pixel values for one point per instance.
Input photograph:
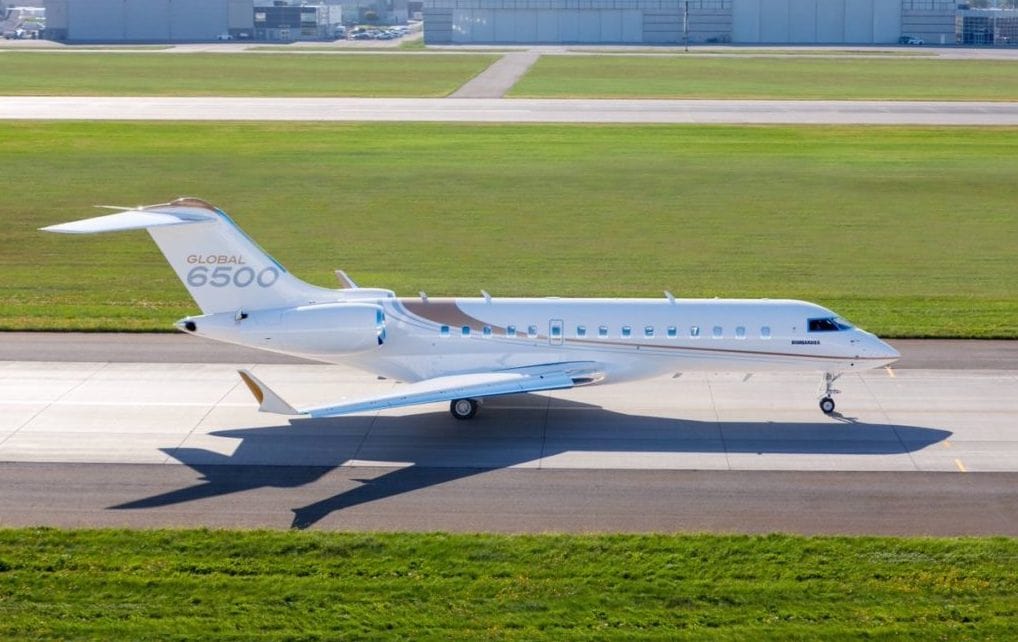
(510, 331)
(556, 331)
(648, 331)
(672, 332)
(465, 331)
(765, 332)
(602, 331)
(627, 331)
(694, 331)
(444, 330)
(740, 332)
(581, 330)
(531, 331)
(827, 325)
(487, 330)
(718, 332)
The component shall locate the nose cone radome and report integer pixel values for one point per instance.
(882, 352)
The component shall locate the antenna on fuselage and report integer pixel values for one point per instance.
(669, 296)
(345, 280)
(487, 297)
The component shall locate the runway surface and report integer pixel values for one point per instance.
(510, 110)
(182, 348)
(174, 444)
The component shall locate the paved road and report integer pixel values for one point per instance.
(499, 78)
(180, 348)
(513, 501)
(510, 110)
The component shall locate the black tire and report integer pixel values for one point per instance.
(827, 405)
(463, 409)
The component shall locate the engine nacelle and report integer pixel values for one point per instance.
(320, 329)
(330, 328)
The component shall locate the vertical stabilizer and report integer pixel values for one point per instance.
(222, 268)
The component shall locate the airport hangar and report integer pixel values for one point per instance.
(207, 20)
(695, 21)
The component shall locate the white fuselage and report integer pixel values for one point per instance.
(415, 339)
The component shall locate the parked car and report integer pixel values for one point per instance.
(911, 40)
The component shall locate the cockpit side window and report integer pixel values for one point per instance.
(830, 324)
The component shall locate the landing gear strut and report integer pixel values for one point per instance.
(827, 390)
(463, 409)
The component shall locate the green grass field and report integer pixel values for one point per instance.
(906, 231)
(271, 585)
(768, 78)
(175, 74)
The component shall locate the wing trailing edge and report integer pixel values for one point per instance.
(462, 386)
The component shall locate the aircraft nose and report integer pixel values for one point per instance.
(881, 350)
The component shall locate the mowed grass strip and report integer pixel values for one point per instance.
(268, 585)
(768, 78)
(176, 74)
(906, 231)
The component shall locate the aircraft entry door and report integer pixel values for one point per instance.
(555, 332)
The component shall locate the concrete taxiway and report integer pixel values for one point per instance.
(511, 110)
(104, 443)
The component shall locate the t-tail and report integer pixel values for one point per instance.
(222, 268)
(245, 295)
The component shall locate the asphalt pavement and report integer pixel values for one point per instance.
(510, 110)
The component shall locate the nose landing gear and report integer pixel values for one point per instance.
(827, 390)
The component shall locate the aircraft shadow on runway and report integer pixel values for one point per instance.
(434, 448)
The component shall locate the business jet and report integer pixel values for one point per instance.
(463, 350)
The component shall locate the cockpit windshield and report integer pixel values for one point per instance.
(829, 324)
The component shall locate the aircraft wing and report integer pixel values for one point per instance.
(463, 386)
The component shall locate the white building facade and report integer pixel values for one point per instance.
(147, 20)
(694, 21)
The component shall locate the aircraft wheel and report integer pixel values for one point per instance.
(463, 409)
(827, 405)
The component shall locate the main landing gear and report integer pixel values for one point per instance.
(827, 390)
(463, 409)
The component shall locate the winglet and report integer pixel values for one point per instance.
(268, 401)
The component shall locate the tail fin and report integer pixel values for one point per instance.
(222, 268)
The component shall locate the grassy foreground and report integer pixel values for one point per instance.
(906, 231)
(267, 585)
(906, 78)
(176, 74)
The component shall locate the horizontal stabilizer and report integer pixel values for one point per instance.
(128, 220)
